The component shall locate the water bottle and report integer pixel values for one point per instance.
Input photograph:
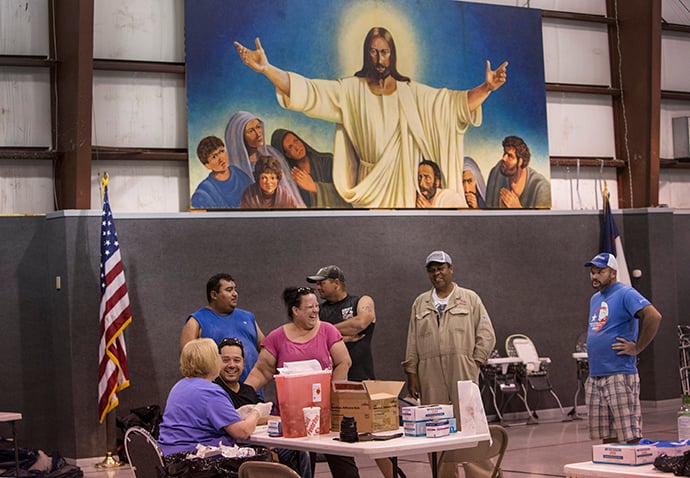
(684, 419)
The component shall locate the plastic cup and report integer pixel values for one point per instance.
(312, 420)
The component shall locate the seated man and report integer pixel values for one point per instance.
(197, 411)
(232, 355)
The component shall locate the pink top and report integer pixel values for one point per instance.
(285, 350)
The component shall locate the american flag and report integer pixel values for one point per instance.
(115, 315)
(610, 240)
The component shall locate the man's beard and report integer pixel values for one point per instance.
(428, 192)
(509, 172)
(380, 74)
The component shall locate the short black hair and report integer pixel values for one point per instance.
(213, 284)
(231, 342)
(292, 296)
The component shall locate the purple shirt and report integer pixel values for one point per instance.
(197, 411)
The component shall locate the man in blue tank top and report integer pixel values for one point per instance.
(622, 323)
(221, 319)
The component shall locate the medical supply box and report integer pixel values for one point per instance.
(373, 404)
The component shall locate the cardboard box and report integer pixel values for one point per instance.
(427, 412)
(624, 454)
(373, 403)
(672, 448)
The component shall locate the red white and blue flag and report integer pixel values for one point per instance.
(610, 240)
(115, 315)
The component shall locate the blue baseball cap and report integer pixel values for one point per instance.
(603, 260)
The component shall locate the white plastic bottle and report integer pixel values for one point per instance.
(684, 419)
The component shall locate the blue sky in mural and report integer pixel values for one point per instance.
(441, 43)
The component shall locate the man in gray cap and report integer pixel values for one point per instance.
(615, 336)
(449, 336)
(354, 316)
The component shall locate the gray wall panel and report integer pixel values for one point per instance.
(528, 269)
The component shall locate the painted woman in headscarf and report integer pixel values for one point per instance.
(473, 184)
(311, 170)
(244, 141)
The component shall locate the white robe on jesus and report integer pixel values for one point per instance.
(380, 140)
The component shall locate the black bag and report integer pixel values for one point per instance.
(148, 418)
(59, 468)
(26, 459)
(179, 466)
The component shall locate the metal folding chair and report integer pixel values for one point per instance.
(143, 453)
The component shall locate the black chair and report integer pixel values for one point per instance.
(143, 453)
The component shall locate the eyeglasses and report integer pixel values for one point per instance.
(305, 291)
(230, 341)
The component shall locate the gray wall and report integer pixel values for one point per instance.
(527, 267)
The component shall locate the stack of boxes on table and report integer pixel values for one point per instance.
(372, 403)
(428, 420)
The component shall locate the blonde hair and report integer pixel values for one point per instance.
(199, 358)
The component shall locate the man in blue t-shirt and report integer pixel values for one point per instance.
(221, 319)
(615, 336)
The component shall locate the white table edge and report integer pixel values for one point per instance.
(396, 447)
(10, 416)
(612, 470)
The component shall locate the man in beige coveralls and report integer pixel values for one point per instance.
(450, 335)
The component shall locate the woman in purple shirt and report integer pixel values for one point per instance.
(198, 411)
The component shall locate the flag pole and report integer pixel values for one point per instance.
(112, 347)
(109, 461)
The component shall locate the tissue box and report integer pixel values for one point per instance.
(624, 454)
(373, 403)
(437, 428)
(427, 412)
(415, 429)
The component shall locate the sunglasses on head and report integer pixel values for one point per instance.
(230, 341)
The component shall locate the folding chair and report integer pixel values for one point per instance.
(535, 372)
(478, 460)
(143, 453)
(265, 469)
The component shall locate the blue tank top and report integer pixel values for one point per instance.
(239, 324)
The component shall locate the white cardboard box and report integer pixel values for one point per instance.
(426, 412)
(624, 454)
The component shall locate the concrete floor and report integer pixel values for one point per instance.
(539, 450)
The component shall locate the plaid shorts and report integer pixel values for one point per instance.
(614, 407)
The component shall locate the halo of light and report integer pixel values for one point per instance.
(361, 17)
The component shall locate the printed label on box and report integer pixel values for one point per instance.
(316, 395)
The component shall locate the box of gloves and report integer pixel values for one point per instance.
(624, 454)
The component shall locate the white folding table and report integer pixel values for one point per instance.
(12, 418)
(394, 448)
(588, 469)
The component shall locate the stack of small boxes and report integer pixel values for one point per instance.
(428, 420)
